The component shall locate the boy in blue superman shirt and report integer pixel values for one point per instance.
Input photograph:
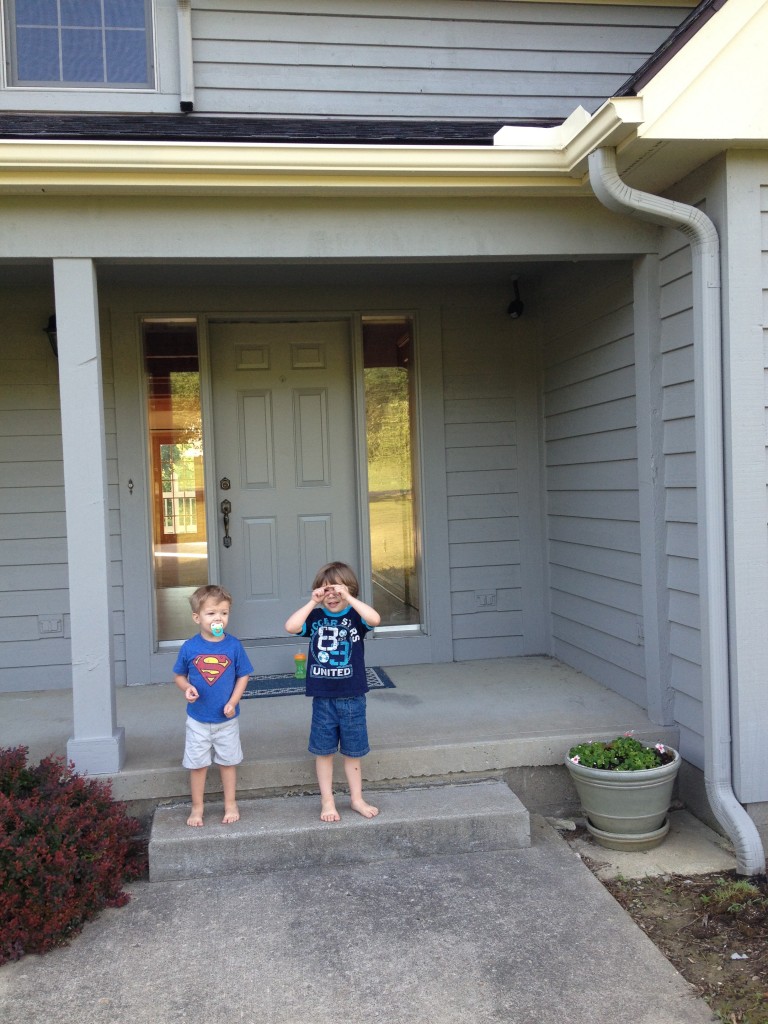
(212, 671)
(336, 621)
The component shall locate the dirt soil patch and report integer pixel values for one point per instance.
(713, 928)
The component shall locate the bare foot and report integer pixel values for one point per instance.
(196, 818)
(231, 815)
(328, 811)
(367, 810)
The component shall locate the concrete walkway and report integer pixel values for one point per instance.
(518, 937)
(521, 936)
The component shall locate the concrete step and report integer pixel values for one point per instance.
(285, 832)
(389, 766)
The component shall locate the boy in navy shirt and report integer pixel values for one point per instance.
(212, 670)
(336, 622)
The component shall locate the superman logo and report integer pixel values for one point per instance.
(211, 666)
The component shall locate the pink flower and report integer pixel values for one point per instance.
(576, 759)
(660, 747)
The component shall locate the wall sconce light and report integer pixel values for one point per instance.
(53, 338)
(516, 307)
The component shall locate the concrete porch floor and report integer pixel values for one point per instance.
(499, 716)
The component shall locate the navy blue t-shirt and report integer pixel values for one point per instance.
(336, 662)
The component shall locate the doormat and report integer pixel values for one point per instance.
(286, 686)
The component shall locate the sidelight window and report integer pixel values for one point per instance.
(391, 450)
(179, 538)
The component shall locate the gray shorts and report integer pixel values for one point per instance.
(212, 741)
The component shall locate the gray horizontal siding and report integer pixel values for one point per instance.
(33, 558)
(431, 59)
(33, 561)
(482, 484)
(679, 481)
(593, 534)
(33, 537)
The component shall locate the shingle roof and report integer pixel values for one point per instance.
(200, 128)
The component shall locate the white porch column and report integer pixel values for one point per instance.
(97, 744)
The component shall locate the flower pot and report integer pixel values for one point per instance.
(626, 810)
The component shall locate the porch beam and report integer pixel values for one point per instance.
(97, 745)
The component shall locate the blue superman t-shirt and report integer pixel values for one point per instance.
(213, 669)
(336, 662)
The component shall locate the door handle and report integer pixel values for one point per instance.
(226, 508)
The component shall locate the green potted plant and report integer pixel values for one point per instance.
(625, 788)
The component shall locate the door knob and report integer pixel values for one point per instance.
(226, 509)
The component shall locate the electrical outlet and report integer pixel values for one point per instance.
(50, 625)
(485, 598)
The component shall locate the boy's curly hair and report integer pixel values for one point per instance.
(337, 572)
(210, 592)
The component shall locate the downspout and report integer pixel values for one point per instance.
(705, 250)
(186, 60)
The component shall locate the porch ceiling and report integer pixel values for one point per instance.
(313, 274)
(242, 274)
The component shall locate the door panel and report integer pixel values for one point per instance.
(284, 439)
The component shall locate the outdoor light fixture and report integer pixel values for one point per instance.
(53, 338)
(515, 308)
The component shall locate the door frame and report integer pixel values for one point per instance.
(148, 663)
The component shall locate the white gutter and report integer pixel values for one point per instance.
(535, 161)
(705, 249)
(197, 167)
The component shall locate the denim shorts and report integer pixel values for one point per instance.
(338, 723)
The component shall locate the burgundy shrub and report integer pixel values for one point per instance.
(66, 848)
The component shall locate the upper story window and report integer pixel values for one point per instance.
(80, 43)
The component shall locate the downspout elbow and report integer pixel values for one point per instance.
(616, 195)
(702, 235)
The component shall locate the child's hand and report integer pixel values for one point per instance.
(342, 591)
(318, 596)
(229, 710)
(191, 694)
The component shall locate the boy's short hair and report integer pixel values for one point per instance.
(210, 592)
(337, 572)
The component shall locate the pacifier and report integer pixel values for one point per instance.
(217, 629)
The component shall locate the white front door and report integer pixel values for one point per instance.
(285, 461)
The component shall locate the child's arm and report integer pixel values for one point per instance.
(368, 614)
(186, 687)
(295, 622)
(231, 705)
